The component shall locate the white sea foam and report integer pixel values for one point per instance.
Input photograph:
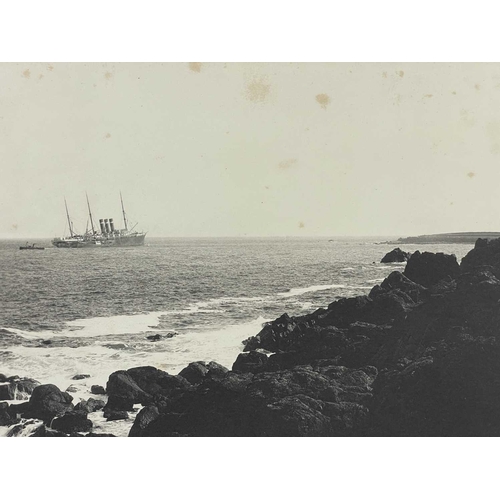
(314, 288)
(57, 365)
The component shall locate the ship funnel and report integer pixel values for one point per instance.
(103, 227)
(106, 222)
(112, 225)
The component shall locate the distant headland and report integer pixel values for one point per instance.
(446, 238)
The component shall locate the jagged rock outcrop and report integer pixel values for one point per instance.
(428, 268)
(418, 356)
(396, 255)
(305, 401)
(485, 253)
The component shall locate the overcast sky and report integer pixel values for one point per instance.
(214, 149)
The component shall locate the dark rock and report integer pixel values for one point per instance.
(47, 402)
(398, 281)
(147, 415)
(27, 428)
(72, 388)
(6, 417)
(44, 431)
(72, 421)
(195, 372)
(92, 434)
(110, 414)
(80, 377)
(216, 371)
(143, 385)
(396, 255)
(428, 268)
(485, 252)
(90, 406)
(97, 389)
(124, 392)
(249, 362)
(154, 338)
(17, 388)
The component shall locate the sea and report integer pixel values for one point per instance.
(65, 312)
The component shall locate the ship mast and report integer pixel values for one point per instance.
(90, 215)
(123, 210)
(69, 220)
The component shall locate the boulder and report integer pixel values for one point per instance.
(154, 338)
(216, 371)
(124, 392)
(195, 372)
(97, 389)
(89, 406)
(80, 376)
(147, 415)
(429, 268)
(47, 402)
(249, 362)
(110, 414)
(6, 417)
(396, 255)
(72, 421)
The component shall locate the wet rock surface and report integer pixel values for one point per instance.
(396, 255)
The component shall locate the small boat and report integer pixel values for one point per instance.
(31, 247)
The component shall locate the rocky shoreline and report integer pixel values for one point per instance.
(417, 356)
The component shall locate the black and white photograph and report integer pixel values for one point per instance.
(289, 260)
(212, 249)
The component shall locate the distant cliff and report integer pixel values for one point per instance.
(446, 238)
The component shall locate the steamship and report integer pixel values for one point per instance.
(107, 236)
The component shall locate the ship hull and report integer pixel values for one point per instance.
(134, 240)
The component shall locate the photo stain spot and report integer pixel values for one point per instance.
(40, 76)
(50, 67)
(257, 91)
(287, 163)
(301, 225)
(384, 74)
(195, 66)
(108, 75)
(323, 100)
(14, 226)
(428, 96)
(108, 135)
(471, 175)
(454, 93)
(477, 86)
(26, 73)
(400, 73)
